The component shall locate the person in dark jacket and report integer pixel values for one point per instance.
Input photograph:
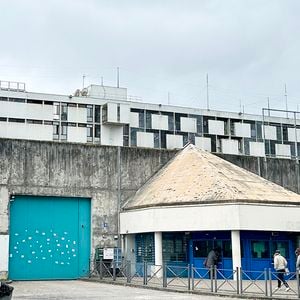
(212, 260)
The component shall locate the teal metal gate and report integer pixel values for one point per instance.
(49, 238)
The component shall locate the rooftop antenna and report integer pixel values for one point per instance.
(268, 106)
(118, 77)
(240, 105)
(83, 78)
(102, 80)
(207, 93)
(286, 101)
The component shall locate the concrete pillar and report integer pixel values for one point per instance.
(236, 250)
(158, 254)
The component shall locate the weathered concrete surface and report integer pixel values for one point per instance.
(93, 290)
(79, 170)
(64, 169)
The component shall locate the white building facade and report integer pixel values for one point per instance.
(107, 116)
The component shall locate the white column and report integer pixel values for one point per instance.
(158, 254)
(236, 250)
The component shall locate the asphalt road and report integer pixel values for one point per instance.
(71, 289)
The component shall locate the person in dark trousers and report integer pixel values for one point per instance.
(212, 260)
(280, 264)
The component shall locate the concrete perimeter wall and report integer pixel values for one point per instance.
(108, 175)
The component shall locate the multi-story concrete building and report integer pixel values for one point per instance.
(107, 116)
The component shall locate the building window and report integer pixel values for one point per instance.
(202, 248)
(97, 114)
(56, 110)
(283, 246)
(174, 247)
(63, 131)
(260, 249)
(64, 112)
(89, 133)
(89, 111)
(97, 131)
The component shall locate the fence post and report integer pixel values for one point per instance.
(237, 280)
(145, 273)
(266, 282)
(101, 269)
(215, 274)
(114, 270)
(270, 283)
(128, 271)
(241, 280)
(189, 277)
(298, 283)
(164, 266)
(211, 275)
(193, 283)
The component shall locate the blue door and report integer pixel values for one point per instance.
(49, 238)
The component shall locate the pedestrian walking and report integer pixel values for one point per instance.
(280, 265)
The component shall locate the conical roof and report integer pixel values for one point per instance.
(196, 176)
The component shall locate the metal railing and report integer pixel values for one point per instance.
(222, 281)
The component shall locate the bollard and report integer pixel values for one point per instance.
(128, 271)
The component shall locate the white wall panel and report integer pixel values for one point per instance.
(283, 151)
(292, 135)
(4, 242)
(174, 141)
(270, 132)
(145, 139)
(134, 119)
(26, 111)
(112, 135)
(77, 114)
(257, 149)
(242, 129)
(226, 217)
(124, 114)
(159, 122)
(230, 146)
(188, 124)
(112, 112)
(26, 131)
(203, 143)
(215, 127)
(77, 134)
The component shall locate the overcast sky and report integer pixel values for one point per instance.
(249, 48)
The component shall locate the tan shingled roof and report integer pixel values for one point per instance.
(196, 176)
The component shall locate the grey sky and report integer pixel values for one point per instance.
(250, 49)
